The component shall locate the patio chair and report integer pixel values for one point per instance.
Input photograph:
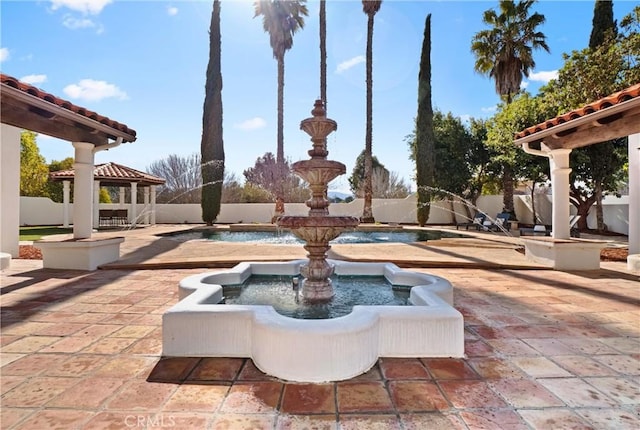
(476, 222)
(501, 223)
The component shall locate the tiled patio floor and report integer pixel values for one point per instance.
(544, 350)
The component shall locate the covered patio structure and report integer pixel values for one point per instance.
(115, 175)
(24, 106)
(615, 116)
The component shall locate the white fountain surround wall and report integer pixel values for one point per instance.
(313, 350)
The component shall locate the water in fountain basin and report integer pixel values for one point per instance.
(277, 291)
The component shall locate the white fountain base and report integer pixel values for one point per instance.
(313, 350)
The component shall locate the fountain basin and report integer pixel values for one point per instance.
(313, 350)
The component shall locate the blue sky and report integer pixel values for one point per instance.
(143, 63)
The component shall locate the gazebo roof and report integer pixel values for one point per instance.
(112, 174)
(614, 116)
(25, 106)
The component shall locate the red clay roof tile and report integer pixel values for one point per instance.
(112, 171)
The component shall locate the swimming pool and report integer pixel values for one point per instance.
(286, 237)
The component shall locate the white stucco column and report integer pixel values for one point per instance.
(10, 190)
(96, 205)
(559, 163)
(134, 202)
(83, 190)
(634, 194)
(153, 205)
(66, 194)
(145, 211)
(121, 197)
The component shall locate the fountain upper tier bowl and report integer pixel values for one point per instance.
(313, 350)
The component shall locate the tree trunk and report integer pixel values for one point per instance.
(367, 212)
(507, 189)
(533, 202)
(279, 209)
(599, 212)
(212, 145)
(323, 53)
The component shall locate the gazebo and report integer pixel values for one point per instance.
(115, 175)
(617, 115)
(24, 106)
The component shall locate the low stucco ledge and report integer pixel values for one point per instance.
(564, 254)
(79, 254)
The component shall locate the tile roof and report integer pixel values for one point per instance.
(112, 173)
(599, 105)
(36, 92)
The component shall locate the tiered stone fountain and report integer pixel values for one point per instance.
(318, 228)
(199, 325)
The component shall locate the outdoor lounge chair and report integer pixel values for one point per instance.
(501, 223)
(476, 222)
(541, 230)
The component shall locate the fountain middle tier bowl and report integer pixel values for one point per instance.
(313, 350)
(317, 229)
(318, 170)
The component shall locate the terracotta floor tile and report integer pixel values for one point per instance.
(140, 395)
(135, 331)
(545, 419)
(610, 419)
(109, 345)
(493, 419)
(449, 368)
(7, 383)
(217, 369)
(97, 331)
(146, 346)
(258, 397)
(52, 419)
(182, 420)
(117, 420)
(127, 366)
(511, 347)
(250, 372)
(432, 420)
(623, 390)
(487, 332)
(35, 392)
(30, 344)
(243, 422)
(307, 422)
(308, 399)
(589, 345)
(70, 344)
(524, 393)
(89, 393)
(172, 369)
(583, 366)
(403, 368)
(11, 416)
(363, 396)
(477, 349)
(32, 364)
(191, 397)
(620, 363)
(576, 393)
(539, 367)
(417, 396)
(495, 368)
(550, 347)
(369, 422)
(372, 374)
(626, 345)
(471, 394)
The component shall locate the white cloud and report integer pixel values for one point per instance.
(172, 10)
(76, 23)
(524, 85)
(34, 79)
(87, 7)
(251, 124)
(490, 109)
(346, 65)
(543, 76)
(92, 90)
(4, 54)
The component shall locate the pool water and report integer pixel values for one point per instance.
(285, 237)
(278, 291)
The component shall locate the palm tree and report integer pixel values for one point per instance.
(212, 146)
(370, 8)
(281, 19)
(323, 52)
(504, 52)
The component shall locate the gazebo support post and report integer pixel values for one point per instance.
(145, 211)
(83, 190)
(153, 205)
(559, 164)
(66, 194)
(96, 204)
(134, 204)
(633, 260)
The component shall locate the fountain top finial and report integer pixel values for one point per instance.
(318, 109)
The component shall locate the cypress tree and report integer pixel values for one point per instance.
(602, 22)
(212, 146)
(425, 141)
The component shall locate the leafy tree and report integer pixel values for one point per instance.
(385, 184)
(281, 19)
(424, 142)
(55, 190)
(370, 8)
(34, 172)
(183, 178)
(504, 53)
(212, 145)
(104, 196)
